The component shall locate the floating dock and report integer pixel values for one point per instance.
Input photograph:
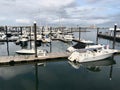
(109, 37)
(32, 58)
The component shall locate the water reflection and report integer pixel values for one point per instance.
(92, 65)
(58, 75)
(95, 66)
(36, 75)
(2, 43)
(7, 48)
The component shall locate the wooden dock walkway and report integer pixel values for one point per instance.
(31, 58)
(109, 37)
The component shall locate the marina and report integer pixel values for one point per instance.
(62, 35)
(60, 45)
(51, 68)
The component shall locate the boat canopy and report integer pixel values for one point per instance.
(81, 45)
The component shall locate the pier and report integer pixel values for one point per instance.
(32, 58)
(36, 57)
(109, 37)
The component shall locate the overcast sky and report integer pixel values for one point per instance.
(56, 12)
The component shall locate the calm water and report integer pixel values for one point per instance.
(61, 74)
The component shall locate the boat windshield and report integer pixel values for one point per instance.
(81, 45)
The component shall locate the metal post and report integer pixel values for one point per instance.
(35, 36)
(6, 33)
(71, 30)
(50, 39)
(6, 29)
(30, 38)
(21, 30)
(114, 39)
(97, 36)
(42, 31)
(79, 32)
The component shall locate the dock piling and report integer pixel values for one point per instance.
(35, 36)
(21, 30)
(6, 29)
(30, 37)
(97, 36)
(114, 39)
(79, 32)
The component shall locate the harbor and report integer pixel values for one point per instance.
(55, 64)
(59, 45)
(61, 34)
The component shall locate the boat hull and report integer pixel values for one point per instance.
(25, 51)
(100, 57)
(31, 52)
(90, 56)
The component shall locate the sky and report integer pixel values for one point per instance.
(60, 12)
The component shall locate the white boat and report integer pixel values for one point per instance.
(14, 37)
(39, 36)
(83, 44)
(112, 29)
(46, 39)
(92, 55)
(46, 31)
(23, 40)
(68, 37)
(2, 36)
(31, 51)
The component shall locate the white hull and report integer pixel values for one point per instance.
(91, 55)
(100, 57)
(46, 40)
(31, 52)
(68, 37)
(25, 51)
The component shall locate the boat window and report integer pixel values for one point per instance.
(95, 50)
(90, 44)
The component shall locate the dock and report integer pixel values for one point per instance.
(105, 36)
(76, 40)
(32, 58)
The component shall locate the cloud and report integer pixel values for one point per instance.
(24, 21)
(69, 11)
(93, 1)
